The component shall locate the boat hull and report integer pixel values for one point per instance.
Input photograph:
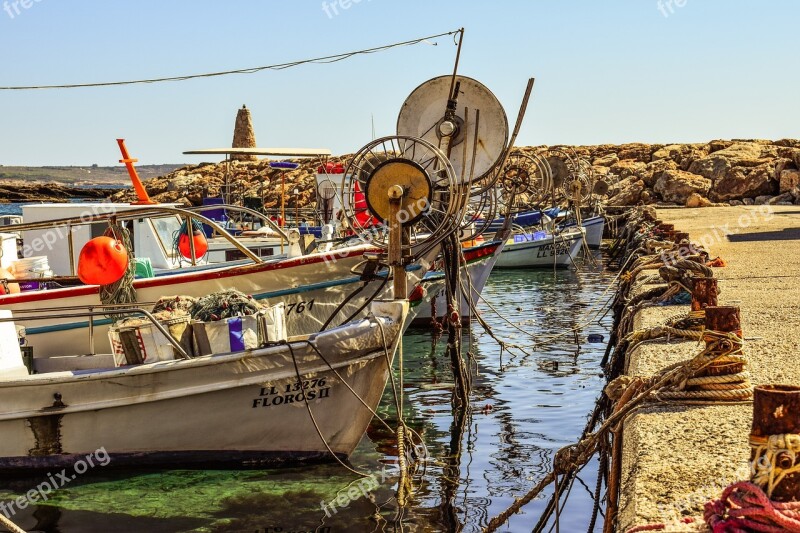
(244, 408)
(311, 287)
(594, 227)
(554, 251)
(479, 267)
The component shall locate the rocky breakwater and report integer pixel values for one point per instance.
(188, 185)
(722, 172)
(17, 191)
(732, 172)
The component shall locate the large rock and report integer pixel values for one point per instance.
(637, 151)
(243, 134)
(697, 200)
(627, 168)
(606, 161)
(682, 154)
(782, 199)
(718, 165)
(744, 182)
(629, 193)
(653, 171)
(676, 186)
(790, 179)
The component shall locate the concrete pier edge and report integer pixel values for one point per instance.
(678, 457)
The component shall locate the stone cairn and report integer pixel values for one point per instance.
(243, 134)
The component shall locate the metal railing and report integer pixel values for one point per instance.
(87, 311)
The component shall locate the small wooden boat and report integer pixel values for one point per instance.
(295, 401)
(541, 250)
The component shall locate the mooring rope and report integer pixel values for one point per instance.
(766, 465)
(9, 525)
(745, 507)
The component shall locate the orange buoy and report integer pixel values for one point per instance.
(102, 261)
(200, 245)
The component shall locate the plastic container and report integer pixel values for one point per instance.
(143, 343)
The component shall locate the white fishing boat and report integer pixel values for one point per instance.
(478, 264)
(319, 290)
(593, 227)
(295, 401)
(541, 250)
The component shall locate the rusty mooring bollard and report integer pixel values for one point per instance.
(775, 438)
(704, 294)
(723, 319)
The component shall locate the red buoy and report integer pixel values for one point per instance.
(200, 245)
(102, 261)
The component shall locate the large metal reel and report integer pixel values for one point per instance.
(525, 178)
(586, 171)
(562, 165)
(474, 154)
(431, 206)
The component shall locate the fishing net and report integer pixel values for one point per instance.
(224, 304)
(121, 291)
(164, 316)
(175, 303)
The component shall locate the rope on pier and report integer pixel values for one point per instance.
(9, 525)
(745, 507)
(766, 463)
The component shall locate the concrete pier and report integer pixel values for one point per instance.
(677, 457)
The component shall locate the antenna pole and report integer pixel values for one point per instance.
(523, 108)
(455, 67)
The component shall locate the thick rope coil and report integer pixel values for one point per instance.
(731, 387)
(766, 469)
(744, 507)
(639, 336)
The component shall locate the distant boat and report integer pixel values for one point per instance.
(541, 250)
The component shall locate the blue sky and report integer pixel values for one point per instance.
(607, 71)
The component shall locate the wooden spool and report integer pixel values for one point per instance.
(776, 411)
(723, 319)
(705, 293)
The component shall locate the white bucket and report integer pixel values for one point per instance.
(31, 268)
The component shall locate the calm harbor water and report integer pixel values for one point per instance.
(523, 408)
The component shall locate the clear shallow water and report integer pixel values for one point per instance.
(524, 407)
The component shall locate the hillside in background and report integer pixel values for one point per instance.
(88, 175)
